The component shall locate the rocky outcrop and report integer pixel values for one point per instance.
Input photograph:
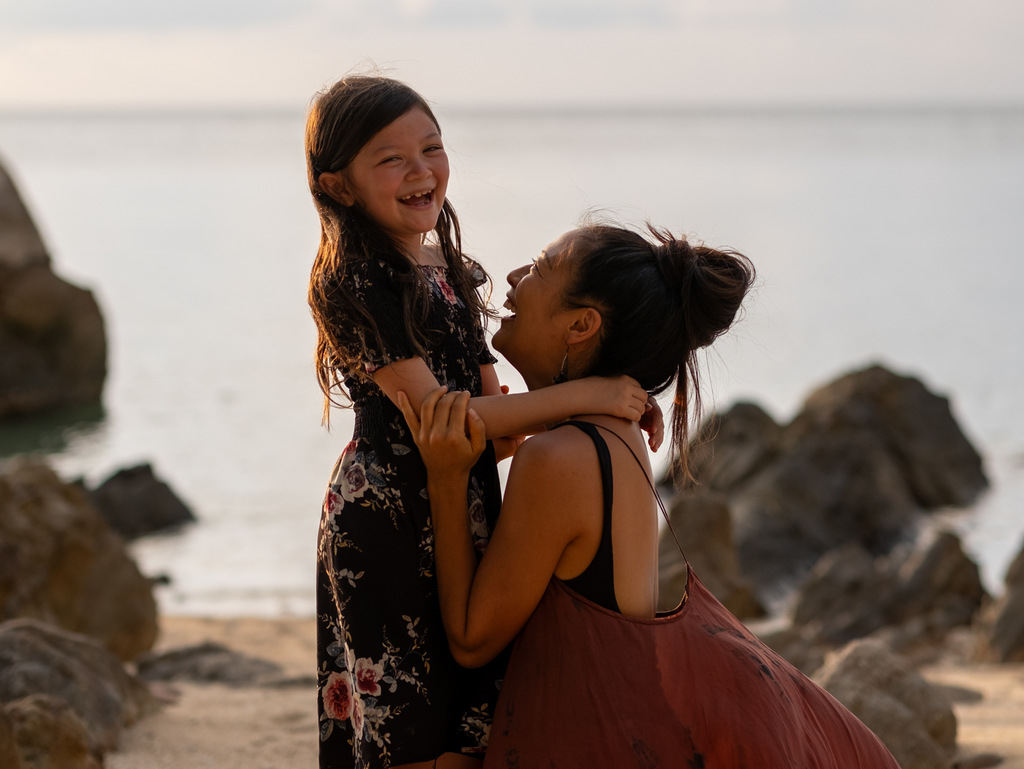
(134, 502)
(48, 734)
(53, 348)
(914, 719)
(61, 563)
(209, 662)
(704, 528)
(863, 457)
(850, 594)
(10, 756)
(64, 694)
(1001, 629)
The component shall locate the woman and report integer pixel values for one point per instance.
(597, 678)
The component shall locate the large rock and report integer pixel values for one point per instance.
(704, 528)
(850, 594)
(60, 562)
(916, 427)
(914, 719)
(864, 456)
(10, 757)
(1001, 628)
(38, 659)
(53, 348)
(135, 502)
(50, 735)
(209, 662)
(20, 244)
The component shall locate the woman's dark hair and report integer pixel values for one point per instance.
(661, 300)
(341, 120)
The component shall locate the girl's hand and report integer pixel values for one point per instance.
(653, 423)
(620, 396)
(505, 448)
(449, 434)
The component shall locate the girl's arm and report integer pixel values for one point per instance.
(518, 413)
(505, 446)
(485, 606)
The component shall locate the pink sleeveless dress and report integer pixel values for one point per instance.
(591, 688)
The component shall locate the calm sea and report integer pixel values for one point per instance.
(890, 236)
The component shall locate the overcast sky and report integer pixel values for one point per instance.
(276, 53)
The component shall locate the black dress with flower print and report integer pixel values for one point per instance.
(390, 692)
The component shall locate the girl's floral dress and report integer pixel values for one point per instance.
(389, 690)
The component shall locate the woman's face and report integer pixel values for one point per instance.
(533, 336)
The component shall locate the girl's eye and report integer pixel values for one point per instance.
(434, 148)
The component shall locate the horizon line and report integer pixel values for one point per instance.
(538, 109)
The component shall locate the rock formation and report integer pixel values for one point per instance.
(53, 348)
(60, 562)
(1001, 629)
(65, 697)
(702, 523)
(865, 455)
(134, 502)
(914, 719)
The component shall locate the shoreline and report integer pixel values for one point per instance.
(214, 725)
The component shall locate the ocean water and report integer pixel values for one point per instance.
(890, 236)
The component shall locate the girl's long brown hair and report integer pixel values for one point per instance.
(341, 120)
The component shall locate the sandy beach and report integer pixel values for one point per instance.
(212, 725)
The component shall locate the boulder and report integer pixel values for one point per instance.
(916, 427)
(1001, 629)
(50, 735)
(850, 594)
(842, 597)
(733, 446)
(60, 562)
(865, 455)
(135, 502)
(38, 659)
(704, 528)
(208, 662)
(10, 758)
(20, 243)
(914, 719)
(53, 348)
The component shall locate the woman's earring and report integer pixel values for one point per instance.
(563, 372)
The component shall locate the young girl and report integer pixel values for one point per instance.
(397, 313)
(596, 679)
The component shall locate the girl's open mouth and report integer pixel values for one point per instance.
(418, 199)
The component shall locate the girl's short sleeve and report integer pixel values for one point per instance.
(371, 283)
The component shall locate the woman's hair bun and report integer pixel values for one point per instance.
(710, 284)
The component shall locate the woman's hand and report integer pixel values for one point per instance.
(449, 434)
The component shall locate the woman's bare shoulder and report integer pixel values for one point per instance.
(553, 451)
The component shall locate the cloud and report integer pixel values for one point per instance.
(108, 15)
(493, 53)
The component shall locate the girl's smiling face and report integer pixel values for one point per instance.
(533, 336)
(399, 178)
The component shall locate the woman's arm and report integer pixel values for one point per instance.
(518, 413)
(548, 496)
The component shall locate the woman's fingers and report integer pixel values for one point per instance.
(442, 415)
(428, 410)
(477, 431)
(411, 418)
